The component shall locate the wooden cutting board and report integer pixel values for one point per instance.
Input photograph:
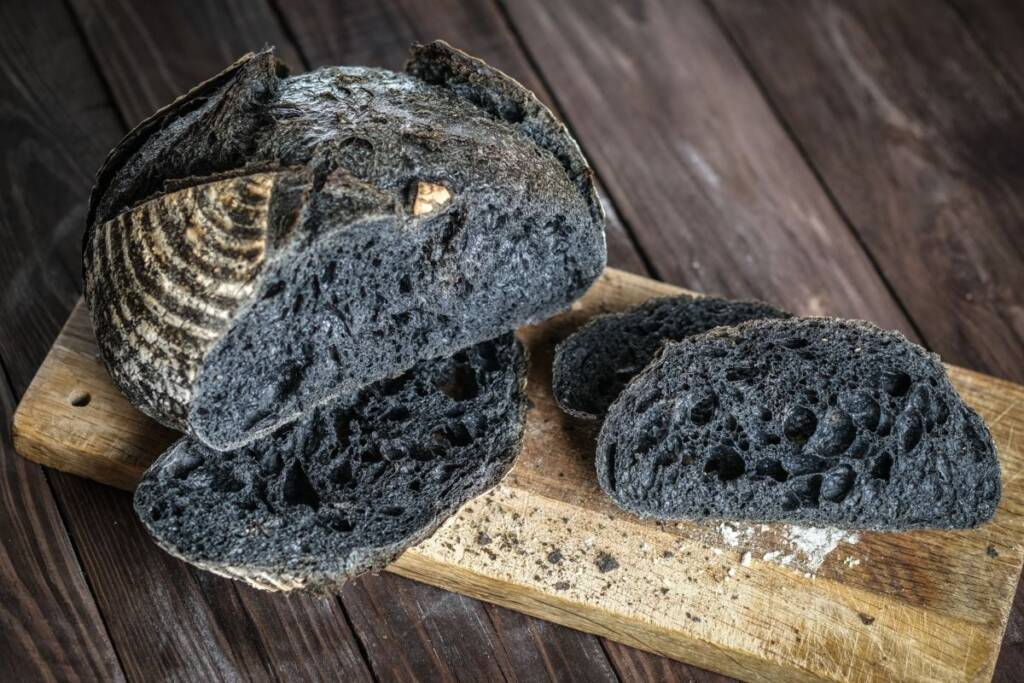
(759, 602)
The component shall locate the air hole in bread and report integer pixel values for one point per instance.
(837, 483)
(882, 467)
(895, 382)
(460, 384)
(725, 462)
(799, 424)
(297, 489)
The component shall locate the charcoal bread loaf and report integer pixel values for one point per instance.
(352, 484)
(594, 364)
(808, 420)
(268, 242)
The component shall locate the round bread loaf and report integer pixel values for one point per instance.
(269, 242)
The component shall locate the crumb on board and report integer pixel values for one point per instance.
(866, 619)
(606, 563)
(991, 551)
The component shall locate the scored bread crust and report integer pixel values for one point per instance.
(186, 236)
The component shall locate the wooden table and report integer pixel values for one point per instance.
(860, 159)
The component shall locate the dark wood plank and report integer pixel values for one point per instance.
(631, 667)
(412, 631)
(716, 193)
(151, 52)
(998, 28)
(51, 627)
(918, 138)
(547, 650)
(55, 129)
(50, 106)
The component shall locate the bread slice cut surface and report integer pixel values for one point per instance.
(810, 420)
(352, 484)
(594, 365)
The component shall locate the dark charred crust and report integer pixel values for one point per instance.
(500, 95)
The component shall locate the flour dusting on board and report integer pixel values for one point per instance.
(803, 548)
(816, 543)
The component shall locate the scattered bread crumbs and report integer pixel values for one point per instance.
(746, 559)
(606, 563)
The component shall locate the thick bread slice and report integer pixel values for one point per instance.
(352, 484)
(810, 420)
(267, 243)
(595, 363)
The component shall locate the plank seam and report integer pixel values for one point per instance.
(363, 651)
(755, 77)
(517, 38)
(613, 662)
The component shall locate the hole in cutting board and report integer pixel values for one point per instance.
(79, 399)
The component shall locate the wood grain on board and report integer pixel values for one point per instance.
(928, 605)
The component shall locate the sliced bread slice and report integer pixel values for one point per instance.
(594, 364)
(351, 485)
(808, 420)
(269, 242)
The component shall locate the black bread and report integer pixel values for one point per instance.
(267, 243)
(350, 486)
(594, 364)
(813, 420)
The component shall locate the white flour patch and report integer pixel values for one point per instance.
(802, 548)
(816, 543)
(734, 535)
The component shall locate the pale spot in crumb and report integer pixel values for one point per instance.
(429, 198)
